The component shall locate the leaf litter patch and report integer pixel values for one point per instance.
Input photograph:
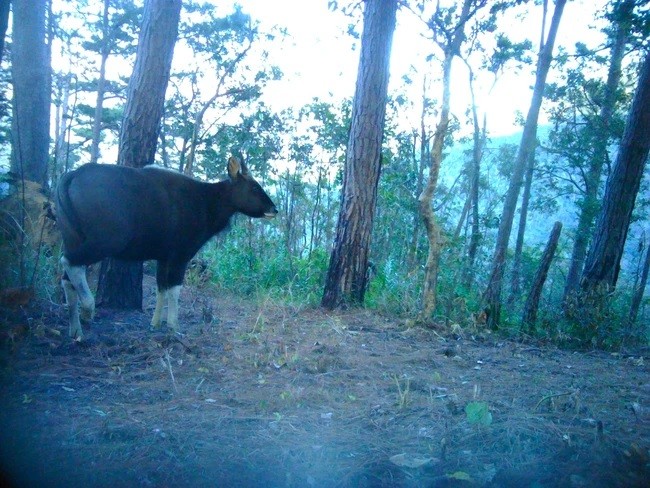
(261, 394)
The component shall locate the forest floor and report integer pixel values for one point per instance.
(264, 394)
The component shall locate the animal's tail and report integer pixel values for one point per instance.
(65, 210)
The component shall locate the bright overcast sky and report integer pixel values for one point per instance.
(318, 58)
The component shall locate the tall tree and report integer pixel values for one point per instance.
(31, 85)
(515, 287)
(120, 283)
(505, 54)
(492, 295)
(449, 36)
(532, 302)
(479, 137)
(589, 205)
(348, 268)
(603, 261)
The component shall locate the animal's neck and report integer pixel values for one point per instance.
(221, 210)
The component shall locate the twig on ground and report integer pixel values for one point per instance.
(555, 395)
(171, 371)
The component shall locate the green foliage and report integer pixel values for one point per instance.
(246, 270)
(392, 290)
(478, 413)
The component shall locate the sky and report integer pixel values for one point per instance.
(319, 58)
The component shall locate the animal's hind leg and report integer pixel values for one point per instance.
(72, 301)
(77, 276)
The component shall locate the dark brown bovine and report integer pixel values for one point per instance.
(141, 214)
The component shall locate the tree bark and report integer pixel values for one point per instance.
(120, 282)
(532, 302)
(346, 279)
(590, 204)
(146, 90)
(492, 295)
(31, 86)
(603, 260)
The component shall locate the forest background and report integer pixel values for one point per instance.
(229, 93)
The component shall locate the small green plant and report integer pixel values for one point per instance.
(478, 413)
(403, 392)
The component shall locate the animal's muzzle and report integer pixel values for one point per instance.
(271, 213)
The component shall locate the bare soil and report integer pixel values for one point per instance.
(262, 394)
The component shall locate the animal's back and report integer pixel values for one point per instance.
(113, 211)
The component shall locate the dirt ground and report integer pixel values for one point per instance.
(261, 394)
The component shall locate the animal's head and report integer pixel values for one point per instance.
(248, 197)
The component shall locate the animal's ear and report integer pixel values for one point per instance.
(233, 167)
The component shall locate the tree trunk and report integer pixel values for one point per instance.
(603, 260)
(315, 214)
(347, 273)
(411, 259)
(101, 82)
(532, 302)
(120, 282)
(590, 203)
(31, 86)
(463, 214)
(515, 285)
(492, 295)
(61, 130)
(146, 91)
(479, 138)
(639, 290)
(425, 200)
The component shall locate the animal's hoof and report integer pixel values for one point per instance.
(76, 334)
(87, 314)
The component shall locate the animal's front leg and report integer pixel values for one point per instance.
(161, 295)
(172, 311)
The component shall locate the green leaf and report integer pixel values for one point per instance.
(478, 413)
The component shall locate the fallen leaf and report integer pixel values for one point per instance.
(460, 475)
(407, 461)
